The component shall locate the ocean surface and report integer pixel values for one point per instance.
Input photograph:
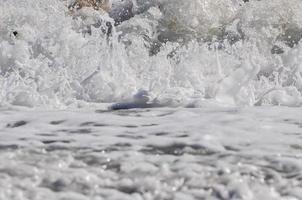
(155, 100)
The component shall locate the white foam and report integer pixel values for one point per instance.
(57, 60)
(212, 153)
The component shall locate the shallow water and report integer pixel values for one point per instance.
(160, 153)
(212, 72)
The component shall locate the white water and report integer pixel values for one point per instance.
(198, 153)
(54, 62)
(231, 62)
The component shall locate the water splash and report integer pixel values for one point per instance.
(229, 52)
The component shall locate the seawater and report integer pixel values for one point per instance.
(212, 153)
(216, 68)
(229, 52)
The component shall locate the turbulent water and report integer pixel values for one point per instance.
(226, 75)
(180, 52)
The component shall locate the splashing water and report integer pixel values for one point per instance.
(151, 54)
(182, 53)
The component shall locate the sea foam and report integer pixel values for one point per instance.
(229, 52)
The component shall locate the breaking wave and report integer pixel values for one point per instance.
(182, 52)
